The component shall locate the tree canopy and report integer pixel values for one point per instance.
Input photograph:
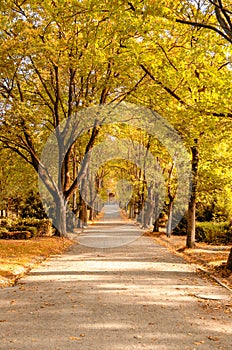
(58, 58)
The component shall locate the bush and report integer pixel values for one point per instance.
(33, 230)
(15, 235)
(207, 231)
(213, 232)
(31, 227)
(33, 207)
(43, 226)
(7, 222)
(3, 230)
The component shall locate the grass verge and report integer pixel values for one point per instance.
(18, 256)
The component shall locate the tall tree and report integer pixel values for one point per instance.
(56, 59)
(214, 16)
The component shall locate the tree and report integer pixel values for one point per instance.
(56, 60)
(188, 77)
(17, 182)
(221, 24)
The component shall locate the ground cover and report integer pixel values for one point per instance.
(19, 256)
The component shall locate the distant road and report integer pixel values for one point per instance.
(112, 230)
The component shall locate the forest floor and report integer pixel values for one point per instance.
(138, 295)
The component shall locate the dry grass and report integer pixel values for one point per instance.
(18, 256)
(211, 258)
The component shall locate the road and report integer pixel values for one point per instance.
(129, 296)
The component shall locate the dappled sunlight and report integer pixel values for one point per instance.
(133, 297)
(213, 327)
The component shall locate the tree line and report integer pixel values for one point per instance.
(59, 58)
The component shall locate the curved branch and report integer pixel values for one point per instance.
(171, 92)
(216, 5)
(207, 26)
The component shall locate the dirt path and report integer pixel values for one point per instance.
(135, 296)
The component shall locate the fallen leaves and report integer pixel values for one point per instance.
(137, 336)
(199, 342)
(19, 256)
(74, 338)
(82, 335)
(213, 338)
(46, 304)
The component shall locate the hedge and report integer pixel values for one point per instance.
(213, 232)
(30, 226)
(207, 231)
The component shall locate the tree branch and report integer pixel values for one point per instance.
(171, 92)
(125, 95)
(207, 26)
(85, 162)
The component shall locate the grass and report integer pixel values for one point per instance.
(19, 256)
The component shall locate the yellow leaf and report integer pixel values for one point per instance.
(74, 338)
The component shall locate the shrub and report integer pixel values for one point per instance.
(213, 232)
(43, 226)
(207, 231)
(3, 231)
(8, 222)
(33, 207)
(34, 227)
(16, 235)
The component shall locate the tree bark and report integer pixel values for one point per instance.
(150, 207)
(82, 214)
(60, 218)
(191, 229)
(171, 197)
(156, 212)
(229, 261)
(170, 212)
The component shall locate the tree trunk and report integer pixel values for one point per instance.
(82, 214)
(156, 225)
(190, 242)
(170, 212)
(91, 214)
(229, 261)
(156, 212)
(74, 176)
(60, 219)
(171, 197)
(131, 210)
(150, 207)
(191, 224)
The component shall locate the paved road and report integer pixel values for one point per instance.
(111, 231)
(135, 296)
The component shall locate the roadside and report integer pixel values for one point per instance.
(207, 257)
(134, 296)
(18, 257)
